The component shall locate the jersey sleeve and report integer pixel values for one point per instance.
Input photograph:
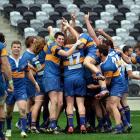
(55, 49)
(135, 60)
(3, 50)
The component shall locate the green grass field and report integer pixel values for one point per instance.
(134, 135)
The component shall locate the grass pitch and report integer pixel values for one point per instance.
(134, 135)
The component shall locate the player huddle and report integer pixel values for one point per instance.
(71, 70)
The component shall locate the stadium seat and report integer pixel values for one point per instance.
(43, 32)
(29, 32)
(101, 24)
(66, 15)
(131, 17)
(28, 16)
(40, 1)
(123, 9)
(134, 90)
(15, 2)
(98, 9)
(54, 16)
(60, 8)
(110, 8)
(106, 16)
(103, 2)
(135, 33)
(36, 24)
(58, 23)
(79, 2)
(137, 24)
(110, 31)
(137, 2)
(49, 23)
(138, 38)
(53, 2)
(126, 24)
(7, 8)
(135, 9)
(72, 8)
(34, 8)
(47, 8)
(80, 16)
(130, 41)
(14, 17)
(21, 25)
(119, 17)
(134, 68)
(56, 30)
(123, 33)
(27, 2)
(91, 2)
(128, 3)
(116, 2)
(113, 24)
(93, 16)
(2, 2)
(21, 8)
(40, 15)
(85, 8)
(118, 41)
(66, 2)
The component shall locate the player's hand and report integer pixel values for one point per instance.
(37, 87)
(86, 17)
(73, 16)
(65, 22)
(10, 86)
(50, 28)
(101, 31)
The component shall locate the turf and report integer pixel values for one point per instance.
(134, 135)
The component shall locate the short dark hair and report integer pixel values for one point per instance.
(79, 29)
(126, 48)
(2, 37)
(29, 40)
(57, 34)
(104, 49)
(108, 42)
(137, 46)
(16, 42)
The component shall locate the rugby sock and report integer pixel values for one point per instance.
(52, 123)
(123, 117)
(70, 119)
(107, 119)
(1, 128)
(29, 118)
(119, 128)
(82, 119)
(23, 124)
(100, 122)
(9, 122)
(127, 113)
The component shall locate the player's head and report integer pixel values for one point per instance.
(70, 39)
(59, 38)
(102, 50)
(29, 41)
(16, 47)
(38, 45)
(78, 29)
(137, 49)
(108, 43)
(128, 50)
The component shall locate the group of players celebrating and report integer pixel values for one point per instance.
(71, 70)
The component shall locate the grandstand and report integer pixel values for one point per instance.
(119, 18)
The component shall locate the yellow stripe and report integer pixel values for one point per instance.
(83, 40)
(90, 44)
(53, 49)
(18, 74)
(111, 74)
(67, 63)
(45, 48)
(117, 73)
(133, 60)
(52, 58)
(4, 52)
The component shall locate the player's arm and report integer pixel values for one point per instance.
(6, 68)
(73, 20)
(70, 51)
(32, 79)
(125, 58)
(70, 29)
(91, 30)
(132, 76)
(93, 86)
